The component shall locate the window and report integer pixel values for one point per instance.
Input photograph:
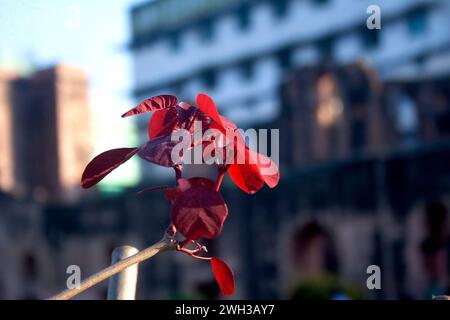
(177, 86)
(330, 108)
(206, 30)
(29, 266)
(280, 7)
(210, 78)
(247, 69)
(370, 38)
(319, 2)
(175, 40)
(358, 134)
(326, 47)
(312, 252)
(244, 17)
(405, 118)
(417, 21)
(285, 58)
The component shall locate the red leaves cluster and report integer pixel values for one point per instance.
(198, 209)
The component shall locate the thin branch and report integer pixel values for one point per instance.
(193, 253)
(178, 172)
(219, 181)
(188, 127)
(167, 243)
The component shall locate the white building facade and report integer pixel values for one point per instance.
(237, 51)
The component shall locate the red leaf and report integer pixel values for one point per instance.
(226, 123)
(207, 106)
(222, 137)
(245, 173)
(256, 169)
(267, 168)
(199, 212)
(224, 276)
(163, 122)
(246, 177)
(159, 151)
(152, 104)
(103, 164)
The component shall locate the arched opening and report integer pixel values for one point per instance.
(29, 273)
(312, 251)
(434, 248)
(314, 265)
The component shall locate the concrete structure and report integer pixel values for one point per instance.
(47, 139)
(337, 210)
(239, 50)
(6, 134)
(365, 175)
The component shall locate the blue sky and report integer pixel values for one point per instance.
(90, 34)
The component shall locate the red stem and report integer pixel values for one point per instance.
(178, 171)
(221, 173)
(188, 127)
(219, 180)
(181, 246)
(193, 253)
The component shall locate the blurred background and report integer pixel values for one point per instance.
(364, 119)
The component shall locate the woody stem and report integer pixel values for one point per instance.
(167, 243)
(219, 181)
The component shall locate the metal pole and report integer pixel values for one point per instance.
(122, 286)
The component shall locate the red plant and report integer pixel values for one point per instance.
(198, 209)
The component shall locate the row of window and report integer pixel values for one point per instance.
(246, 68)
(369, 38)
(206, 30)
(416, 20)
(417, 24)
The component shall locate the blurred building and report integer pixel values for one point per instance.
(332, 112)
(343, 203)
(362, 145)
(45, 137)
(336, 112)
(6, 143)
(238, 50)
(374, 155)
(364, 153)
